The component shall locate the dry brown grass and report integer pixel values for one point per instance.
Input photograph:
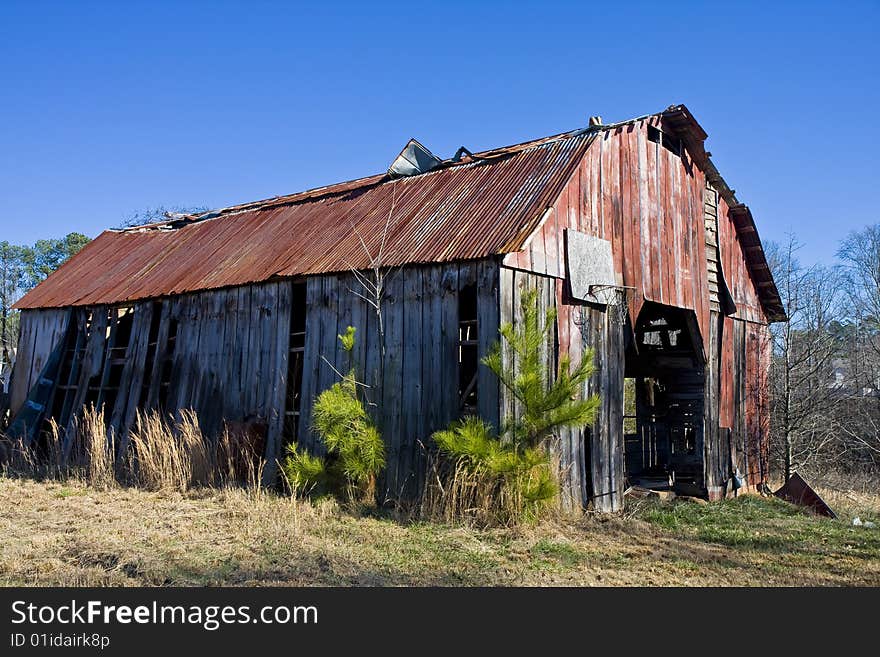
(183, 517)
(56, 533)
(161, 455)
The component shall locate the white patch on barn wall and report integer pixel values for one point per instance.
(590, 267)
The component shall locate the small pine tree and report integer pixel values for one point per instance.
(548, 403)
(355, 450)
(511, 471)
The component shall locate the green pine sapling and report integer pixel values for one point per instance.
(511, 470)
(355, 450)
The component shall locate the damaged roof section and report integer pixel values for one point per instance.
(459, 211)
(423, 210)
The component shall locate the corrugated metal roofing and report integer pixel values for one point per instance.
(484, 206)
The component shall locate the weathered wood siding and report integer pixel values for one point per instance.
(40, 333)
(227, 354)
(591, 460)
(648, 202)
(758, 353)
(229, 359)
(675, 241)
(737, 403)
(420, 363)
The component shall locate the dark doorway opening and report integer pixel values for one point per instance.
(663, 402)
(297, 347)
(468, 350)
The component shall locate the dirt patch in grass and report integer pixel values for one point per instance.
(68, 534)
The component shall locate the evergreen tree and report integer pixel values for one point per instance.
(510, 471)
(548, 403)
(355, 451)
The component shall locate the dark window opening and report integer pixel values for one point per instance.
(166, 365)
(468, 350)
(103, 391)
(68, 373)
(297, 348)
(630, 425)
(667, 141)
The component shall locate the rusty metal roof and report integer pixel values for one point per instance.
(484, 204)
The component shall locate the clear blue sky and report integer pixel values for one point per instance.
(110, 108)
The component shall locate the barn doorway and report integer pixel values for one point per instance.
(663, 402)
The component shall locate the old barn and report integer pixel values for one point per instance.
(627, 229)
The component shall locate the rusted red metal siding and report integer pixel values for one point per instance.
(759, 348)
(648, 202)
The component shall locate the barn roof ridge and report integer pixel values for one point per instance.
(483, 204)
(478, 158)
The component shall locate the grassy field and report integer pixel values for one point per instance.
(67, 534)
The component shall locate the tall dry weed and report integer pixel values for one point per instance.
(98, 447)
(161, 460)
(161, 454)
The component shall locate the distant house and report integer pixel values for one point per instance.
(627, 229)
(850, 377)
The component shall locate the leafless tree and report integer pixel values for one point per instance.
(859, 255)
(805, 397)
(372, 281)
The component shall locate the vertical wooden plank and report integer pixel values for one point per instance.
(413, 420)
(537, 250)
(250, 363)
(203, 329)
(739, 396)
(185, 353)
(356, 315)
(330, 346)
(92, 360)
(432, 365)
(553, 235)
(488, 308)
(159, 357)
(19, 386)
(567, 437)
(448, 392)
(606, 449)
(614, 391)
(232, 319)
(277, 374)
(372, 355)
(268, 344)
(520, 284)
(130, 384)
(507, 294)
(613, 206)
(392, 393)
(223, 320)
(311, 359)
(601, 456)
(711, 433)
